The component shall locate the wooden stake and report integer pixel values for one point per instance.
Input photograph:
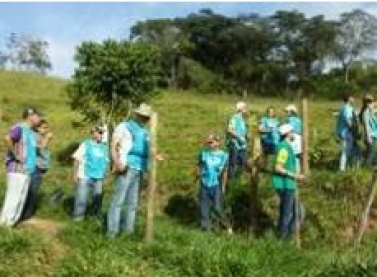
(149, 227)
(305, 137)
(365, 215)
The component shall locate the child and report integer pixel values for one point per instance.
(211, 171)
(91, 162)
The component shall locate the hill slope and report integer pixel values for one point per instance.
(79, 249)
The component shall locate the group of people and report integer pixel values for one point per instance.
(129, 151)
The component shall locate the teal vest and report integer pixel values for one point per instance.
(212, 163)
(29, 144)
(296, 123)
(137, 157)
(96, 159)
(240, 129)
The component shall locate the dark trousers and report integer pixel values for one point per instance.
(31, 202)
(237, 162)
(287, 212)
(210, 198)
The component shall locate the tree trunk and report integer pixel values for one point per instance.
(149, 227)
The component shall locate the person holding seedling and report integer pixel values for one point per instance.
(44, 136)
(212, 174)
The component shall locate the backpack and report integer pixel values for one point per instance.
(356, 128)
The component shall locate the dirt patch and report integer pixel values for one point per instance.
(48, 227)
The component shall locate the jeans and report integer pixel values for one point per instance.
(81, 197)
(237, 162)
(287, 212)
(31, 202)
(126, 195)
(209, 197)
(347, 151)
(371, 153)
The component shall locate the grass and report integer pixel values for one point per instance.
(334, 201)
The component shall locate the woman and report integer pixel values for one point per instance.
(369, 122)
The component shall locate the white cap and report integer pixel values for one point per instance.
(291, 108)
(285, 129)
(240, 105)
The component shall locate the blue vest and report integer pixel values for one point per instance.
(240, 129)
(29, 141)
(96, 159)
(137, 157)
(212, 164)
(371, 121)
(272, 137)
(345, 115)
(296, 123)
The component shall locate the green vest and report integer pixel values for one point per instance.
(280, 181)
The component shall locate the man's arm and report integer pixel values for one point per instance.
(10, 139)
(121, 145)
(281, 159)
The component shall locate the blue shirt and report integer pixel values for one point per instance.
(344, 120)
(370, 121)
(238, 125)
(137, 157)
(96, 159)
(296, 123)
(212, 164)
(272, 136)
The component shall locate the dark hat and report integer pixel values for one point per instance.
(29, 111)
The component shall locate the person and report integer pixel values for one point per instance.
(212, 173)
(284, 180)
(344, 132)
(295, 121)
(130, 155)
(237, 141)
(91, 161)
(269, 134)
(368, 120)
(21, 157)
(44, 136)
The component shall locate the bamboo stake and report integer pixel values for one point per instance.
(365, 215)
(305, 137)
(149, 228)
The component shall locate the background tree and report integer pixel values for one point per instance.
(113, 76)
(357, 33)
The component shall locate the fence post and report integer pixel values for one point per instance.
(149, 227)
(305, 136)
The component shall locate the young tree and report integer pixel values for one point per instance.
(357, 33)
(111, 77)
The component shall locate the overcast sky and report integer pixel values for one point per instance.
(65, 25)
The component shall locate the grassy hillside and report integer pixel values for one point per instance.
(55, 246)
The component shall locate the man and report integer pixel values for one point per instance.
(21, 158)
(284, 180)
(294, 120)
(268, 128)
(237, 134)
(344, 132)
(211, 171)
(130, 154)
(90, 167)
(44, 136)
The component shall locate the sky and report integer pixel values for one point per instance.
(65, 25)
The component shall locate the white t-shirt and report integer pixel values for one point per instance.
(79, 156)
(124, 138)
